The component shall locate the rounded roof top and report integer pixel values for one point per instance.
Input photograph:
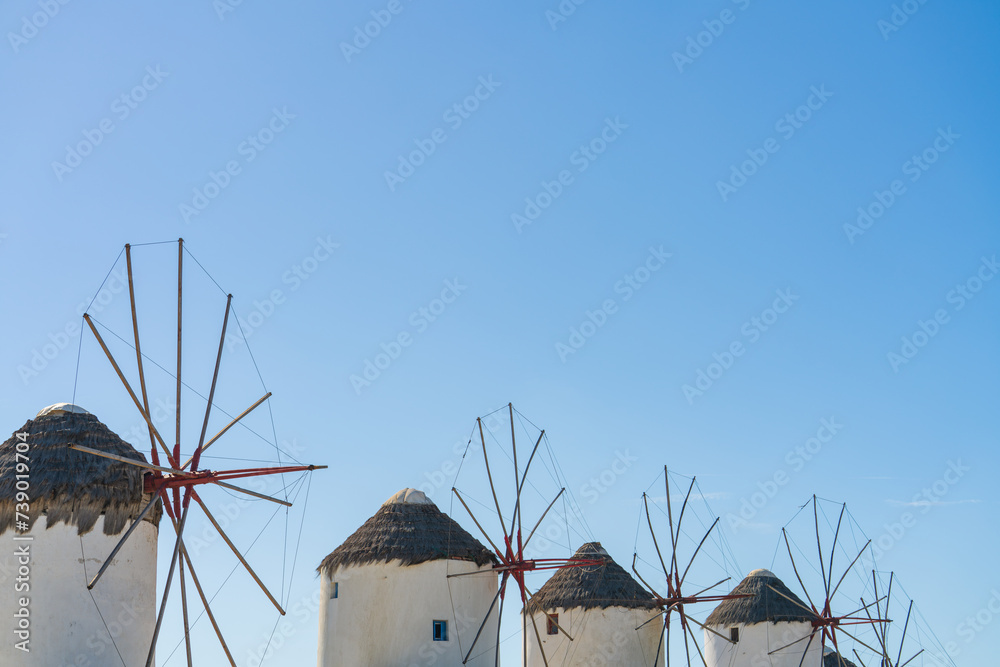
(767, 600)
(61, 409)
(408, 497)
(68, 485)
(761, 572)
(410, 528)
(592, 586)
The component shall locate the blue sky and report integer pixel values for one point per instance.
(265, 143)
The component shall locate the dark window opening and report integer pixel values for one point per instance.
(336, 591)
(551, 626)
(734, 634)
(440, 631)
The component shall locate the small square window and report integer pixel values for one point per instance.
(734, 634)
(552, 624)
(440, 631)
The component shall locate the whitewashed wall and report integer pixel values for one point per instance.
(756, 643)
(383, 615)
(600, 637)
(65, 626)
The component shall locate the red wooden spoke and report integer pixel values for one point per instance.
(156, 481)
(513, 563)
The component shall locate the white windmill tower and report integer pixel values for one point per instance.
(768, 624)
(76, 506)
(774, 626)
(386, 596)
(604, 600)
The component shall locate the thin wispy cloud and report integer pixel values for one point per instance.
(679, 498)
(931, 503)
(764, 528)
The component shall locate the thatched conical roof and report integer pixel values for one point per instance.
(67, 485)
(831, 659)
(764, 606)
(410, 528)
(591, 586)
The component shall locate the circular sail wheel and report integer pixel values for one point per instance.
(509, 474)
(171, 478)
(818, 538)
(912, 644)
(676, 558)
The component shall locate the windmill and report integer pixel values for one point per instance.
(676, 601)
(175, 483)
(513, 541)
(914, 635)
(829, 624)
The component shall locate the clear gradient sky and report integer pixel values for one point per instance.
(698, 233)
